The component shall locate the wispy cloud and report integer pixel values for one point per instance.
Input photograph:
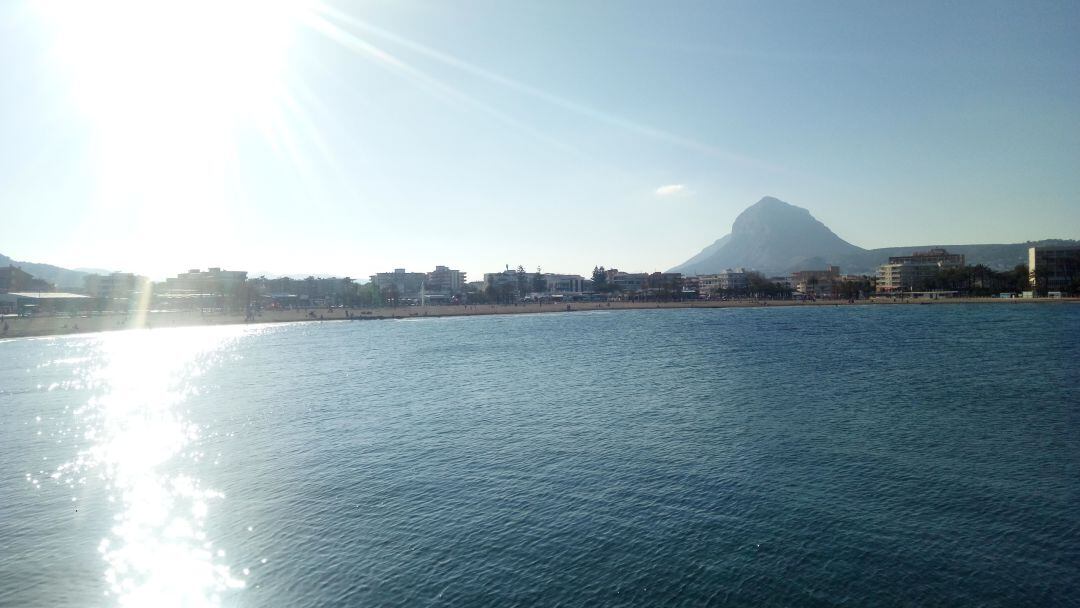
(672, 190)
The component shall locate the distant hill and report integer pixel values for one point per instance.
(778, 238)
(63, 278)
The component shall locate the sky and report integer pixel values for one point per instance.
(348, 138)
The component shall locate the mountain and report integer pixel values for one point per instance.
(777, 238)
(774, 237)
(63, 278)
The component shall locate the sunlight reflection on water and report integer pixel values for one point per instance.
(136, 433)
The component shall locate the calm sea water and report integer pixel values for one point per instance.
(918, 456)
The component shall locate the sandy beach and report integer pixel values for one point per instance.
(21, 327)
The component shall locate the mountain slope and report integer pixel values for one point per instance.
(707, 252)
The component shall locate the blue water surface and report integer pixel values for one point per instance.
(817, 456)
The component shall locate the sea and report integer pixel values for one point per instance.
(779, 456)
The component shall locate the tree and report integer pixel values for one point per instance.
(506, 293)
(369, 295)
(521, 280)
(757, 285)
(1021, 279)
(539, 283)
(390, 295)
(599, 277)
(348, 292)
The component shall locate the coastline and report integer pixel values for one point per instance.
(30, 327)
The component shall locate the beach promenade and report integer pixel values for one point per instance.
(22, 327)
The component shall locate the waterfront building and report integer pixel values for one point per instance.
(730, 280)
(940, 257)
(406, 285)
(626, 281)
(909, 272)
(564, 283)
(642, 282)
(115, 286)
(816, 283)
(659, 280)
(310, 291)
(524, 281)
(1054, 269)
(782, 281)
(213, 288)
(509, 285)
(508, 277)
(213, 281)
(667, 285)
(444, 281)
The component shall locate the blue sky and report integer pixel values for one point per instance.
(350, 138)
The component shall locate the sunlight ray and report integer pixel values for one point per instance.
(423, 80)
(526, 89)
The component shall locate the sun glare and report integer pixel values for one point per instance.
(192, 64)
(140, 445)
(168, 90)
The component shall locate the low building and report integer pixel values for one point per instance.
(911, 272)
(1054, 269)
(44, 302)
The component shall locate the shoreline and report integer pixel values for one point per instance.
(31, 327)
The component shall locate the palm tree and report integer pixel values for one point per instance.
(348, 291)
(1038, 281)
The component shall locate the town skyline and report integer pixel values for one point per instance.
(811, 224)
(559, 135)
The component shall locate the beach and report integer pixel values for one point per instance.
(23, 327)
